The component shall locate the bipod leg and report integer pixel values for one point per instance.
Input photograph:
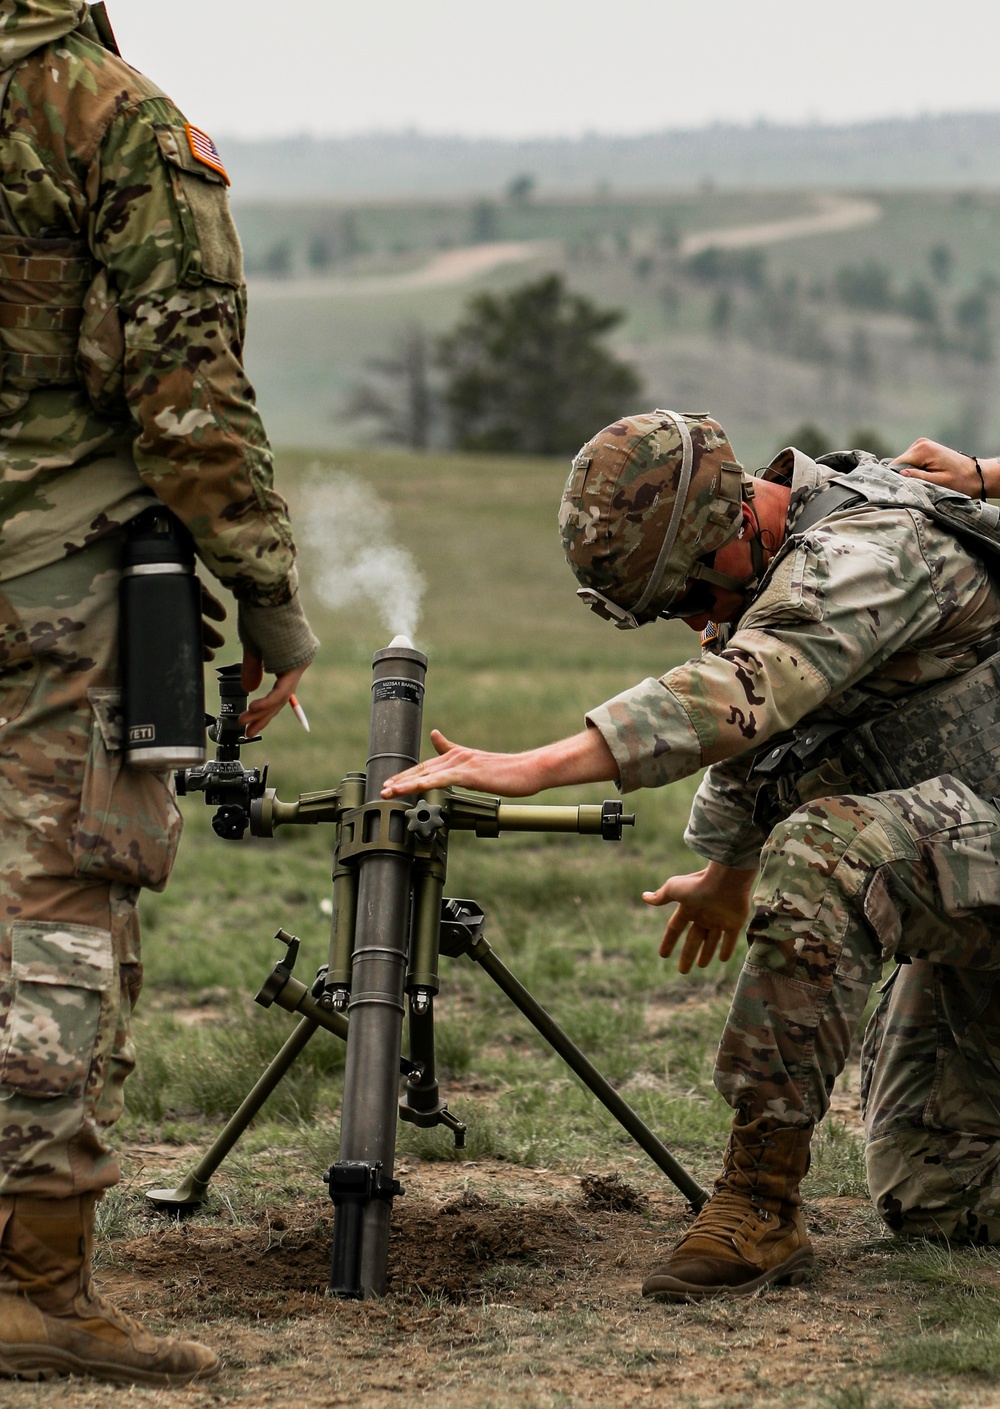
(478, 949)
(191, 1189)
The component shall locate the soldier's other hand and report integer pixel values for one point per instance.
(928, 460)
(260, 712)
(712, 908)
(211, 610)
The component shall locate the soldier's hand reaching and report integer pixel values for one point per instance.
(952, 469)
(712, 908)
(582, 758)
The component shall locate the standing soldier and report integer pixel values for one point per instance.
(122, 309)
(847, 708)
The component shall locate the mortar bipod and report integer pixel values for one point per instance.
(461, 933)
(281, 989)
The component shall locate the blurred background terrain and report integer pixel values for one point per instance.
(846, 310)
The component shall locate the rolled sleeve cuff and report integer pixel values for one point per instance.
(280, 635)
(742, 853)
(650, 735)
(721, 826)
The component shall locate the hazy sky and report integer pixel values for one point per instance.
(545, 67)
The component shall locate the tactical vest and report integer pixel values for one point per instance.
(951, 727)
(44, 286)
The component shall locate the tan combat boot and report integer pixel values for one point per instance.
(750, 1234)
(52, 1323)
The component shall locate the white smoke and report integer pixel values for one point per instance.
(346, 531)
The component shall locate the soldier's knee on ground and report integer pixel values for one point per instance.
(918, 1195)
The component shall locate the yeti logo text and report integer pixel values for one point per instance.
(142, 734)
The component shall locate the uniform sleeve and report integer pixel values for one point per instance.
(161, 228)
(839, 603)
(721, 826)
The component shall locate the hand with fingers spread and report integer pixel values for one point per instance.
(712, 908)
(582, 758)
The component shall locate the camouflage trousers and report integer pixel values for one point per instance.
(79, 835)
(846, 884)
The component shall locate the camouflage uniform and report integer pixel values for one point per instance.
(855, 613)
(122, 314)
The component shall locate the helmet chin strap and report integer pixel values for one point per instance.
(742, 585)
(758, 561)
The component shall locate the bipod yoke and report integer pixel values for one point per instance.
(391, 922)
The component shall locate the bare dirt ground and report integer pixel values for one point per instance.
(511, 1287)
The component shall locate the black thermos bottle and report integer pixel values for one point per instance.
(162, 675)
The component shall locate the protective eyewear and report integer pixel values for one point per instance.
(698, 600)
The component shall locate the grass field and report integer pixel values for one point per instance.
(515, 1267)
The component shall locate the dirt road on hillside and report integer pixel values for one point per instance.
(443, 270)
(459, 266)
(832, 213)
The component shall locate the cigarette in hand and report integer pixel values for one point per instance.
(299, 712)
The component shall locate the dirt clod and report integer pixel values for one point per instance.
(467, 1202)
(613, 1193)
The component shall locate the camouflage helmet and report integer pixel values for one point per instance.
(646, 499)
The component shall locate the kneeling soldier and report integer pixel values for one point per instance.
(845, 700)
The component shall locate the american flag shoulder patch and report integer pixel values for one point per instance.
(203, 149)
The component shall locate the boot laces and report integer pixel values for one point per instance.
(97, 1307)
(739, 1169)
(725, 1214)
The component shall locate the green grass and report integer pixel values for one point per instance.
(956, 1316)
(856, 1397)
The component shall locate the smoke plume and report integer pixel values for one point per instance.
(346, 533)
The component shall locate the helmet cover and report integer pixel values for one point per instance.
(646, 497)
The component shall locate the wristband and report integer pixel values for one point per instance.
(979, 472)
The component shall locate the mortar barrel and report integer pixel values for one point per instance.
(371, 1078)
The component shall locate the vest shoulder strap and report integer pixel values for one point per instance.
(974, 522)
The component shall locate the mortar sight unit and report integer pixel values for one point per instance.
(391, 923)
(228, 786)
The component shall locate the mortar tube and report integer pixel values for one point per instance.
(371, 1078)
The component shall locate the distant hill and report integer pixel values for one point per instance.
(956, 151)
